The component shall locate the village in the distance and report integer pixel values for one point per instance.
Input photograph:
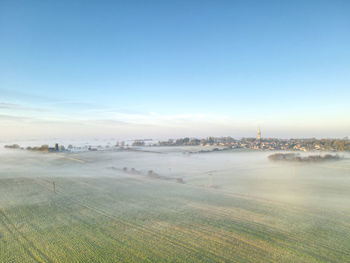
(215, 144)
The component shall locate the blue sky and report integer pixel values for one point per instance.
(174, 68)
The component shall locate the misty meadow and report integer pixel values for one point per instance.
(165, 204)
(174, 131)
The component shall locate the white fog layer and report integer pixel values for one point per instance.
(71, 202)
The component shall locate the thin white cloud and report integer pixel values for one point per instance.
(23, 120)
(12, 118)
(19, 107)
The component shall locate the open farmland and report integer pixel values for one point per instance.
(229, 207)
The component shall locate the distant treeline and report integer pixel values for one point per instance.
(150, 174)
(42, 148)
(292, 157)
(13, 146)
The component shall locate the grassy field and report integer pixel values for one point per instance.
(99, 214)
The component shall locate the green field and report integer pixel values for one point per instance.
(232, 207)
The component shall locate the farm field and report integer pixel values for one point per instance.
(212, 207)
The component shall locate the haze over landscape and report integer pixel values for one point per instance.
(174, 131)
(166, 69)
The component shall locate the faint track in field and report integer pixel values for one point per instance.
(22, 240)
(193, 246)
(189, 246)
(68, 157)
(296, 238)
(46, 184)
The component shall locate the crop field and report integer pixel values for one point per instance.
(227, 207)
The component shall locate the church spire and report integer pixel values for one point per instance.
(259, 134)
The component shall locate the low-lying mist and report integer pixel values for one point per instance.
(238, 172)
(157, 202)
